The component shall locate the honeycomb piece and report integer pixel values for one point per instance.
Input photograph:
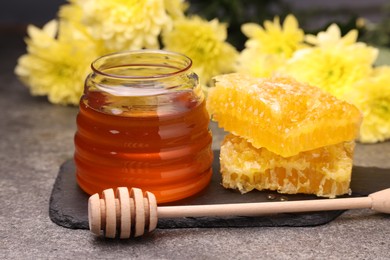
(280, 114)
(325, 171)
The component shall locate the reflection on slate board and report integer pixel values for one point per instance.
(69, 204)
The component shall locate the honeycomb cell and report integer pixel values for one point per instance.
(280, 114)
(324, 171)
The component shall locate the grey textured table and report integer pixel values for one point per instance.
(37, 137)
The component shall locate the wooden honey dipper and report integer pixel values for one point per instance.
(132, 213)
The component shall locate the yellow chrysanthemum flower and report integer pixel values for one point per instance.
(71, 12)
(125, 25)
(372, 96)
(176, 8)
(332, 37)
(56, 67)
(274, 38)
(333, 69)
(205, 43)
(269, 47)
(258, 64)
(72, 15)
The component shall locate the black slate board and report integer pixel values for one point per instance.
(69, 204)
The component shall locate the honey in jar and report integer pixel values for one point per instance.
(143, 123)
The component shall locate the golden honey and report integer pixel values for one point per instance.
(143, 123)
(282, 115)
(285, 135)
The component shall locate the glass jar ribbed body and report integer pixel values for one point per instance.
(143, 123)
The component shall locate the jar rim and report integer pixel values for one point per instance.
(95, 64)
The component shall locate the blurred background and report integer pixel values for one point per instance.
(372, 17)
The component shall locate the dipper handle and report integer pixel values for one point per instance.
(130, 214)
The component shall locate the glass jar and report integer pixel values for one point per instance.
(143, 123)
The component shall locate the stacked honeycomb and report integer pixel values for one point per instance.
(285, 136)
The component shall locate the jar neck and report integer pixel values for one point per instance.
(145, 80)
(143, 73)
